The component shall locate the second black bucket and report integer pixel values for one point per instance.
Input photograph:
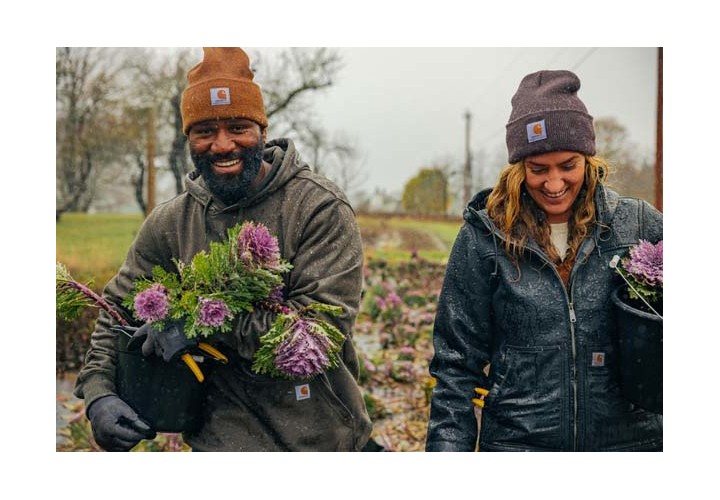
(641, 354)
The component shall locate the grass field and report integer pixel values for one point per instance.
(94, 245)
(395, 238)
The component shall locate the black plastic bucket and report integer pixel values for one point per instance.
(641, 354)
(166, 395)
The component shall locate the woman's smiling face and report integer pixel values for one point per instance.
(554, 180)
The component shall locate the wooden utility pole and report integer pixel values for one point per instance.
(150, 162)
(467, 174)
(659, 137)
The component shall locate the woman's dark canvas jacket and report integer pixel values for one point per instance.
(553, 380)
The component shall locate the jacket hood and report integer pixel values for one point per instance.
(285, 164)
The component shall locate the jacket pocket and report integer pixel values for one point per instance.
(524, 405)
(298, 415)
(614, 423)
(603, 391)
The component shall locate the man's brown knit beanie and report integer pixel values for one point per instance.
(547, 115)
(221, 87)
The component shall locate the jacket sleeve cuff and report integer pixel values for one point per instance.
(93, 388)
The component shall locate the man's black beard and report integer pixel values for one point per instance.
(231, 188)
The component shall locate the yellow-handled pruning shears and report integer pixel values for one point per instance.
(190, 362)
(480, 402)
(137, 339)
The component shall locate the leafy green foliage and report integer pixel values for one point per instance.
(427, 193)
(218, 274)
(284, 326)
(69, 299)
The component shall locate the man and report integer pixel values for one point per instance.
(237, 178)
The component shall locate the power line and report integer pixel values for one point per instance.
(554, 58)
(499, 76)
(584, 58)
(501, 130)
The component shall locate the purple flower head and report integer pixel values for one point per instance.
(380, 302)
(304, 354)
(393, 299)
(152, 304)
(257, 246)
(646, 263)
(406, 351)
(212, 312)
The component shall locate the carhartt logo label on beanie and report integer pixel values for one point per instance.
(224, 75)
(219, 96)
(536, 131)
(547, 115)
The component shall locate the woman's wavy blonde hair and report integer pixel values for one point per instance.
(514, 212)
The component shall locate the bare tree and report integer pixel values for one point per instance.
(104, 96)
(611, 139)
(287, 81)
(346, 165)
(178, 159)
(335, 156)
(632, 174)
(291, 77)
(158, 81)
(86, 84)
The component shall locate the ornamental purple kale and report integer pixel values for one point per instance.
(304, 353)
(233, 276)
(300, 344)
(642, 270)
(212, 312)
(645, 263)
(257, 247)
(152, 304)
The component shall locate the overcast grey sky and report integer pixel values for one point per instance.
(405, 106)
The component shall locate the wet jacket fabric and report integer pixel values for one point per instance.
(553, 378)
(318, 235)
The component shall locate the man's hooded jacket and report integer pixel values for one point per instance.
(318, 235)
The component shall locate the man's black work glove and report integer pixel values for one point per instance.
(168, 344)
(115, 425)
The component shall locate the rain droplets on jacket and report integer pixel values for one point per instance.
(552, 350)
(317, 233)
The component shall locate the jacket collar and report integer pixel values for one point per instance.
(285, 164)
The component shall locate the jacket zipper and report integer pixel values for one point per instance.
(574, 374)
(573, 319)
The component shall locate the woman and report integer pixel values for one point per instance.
(527, 292)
